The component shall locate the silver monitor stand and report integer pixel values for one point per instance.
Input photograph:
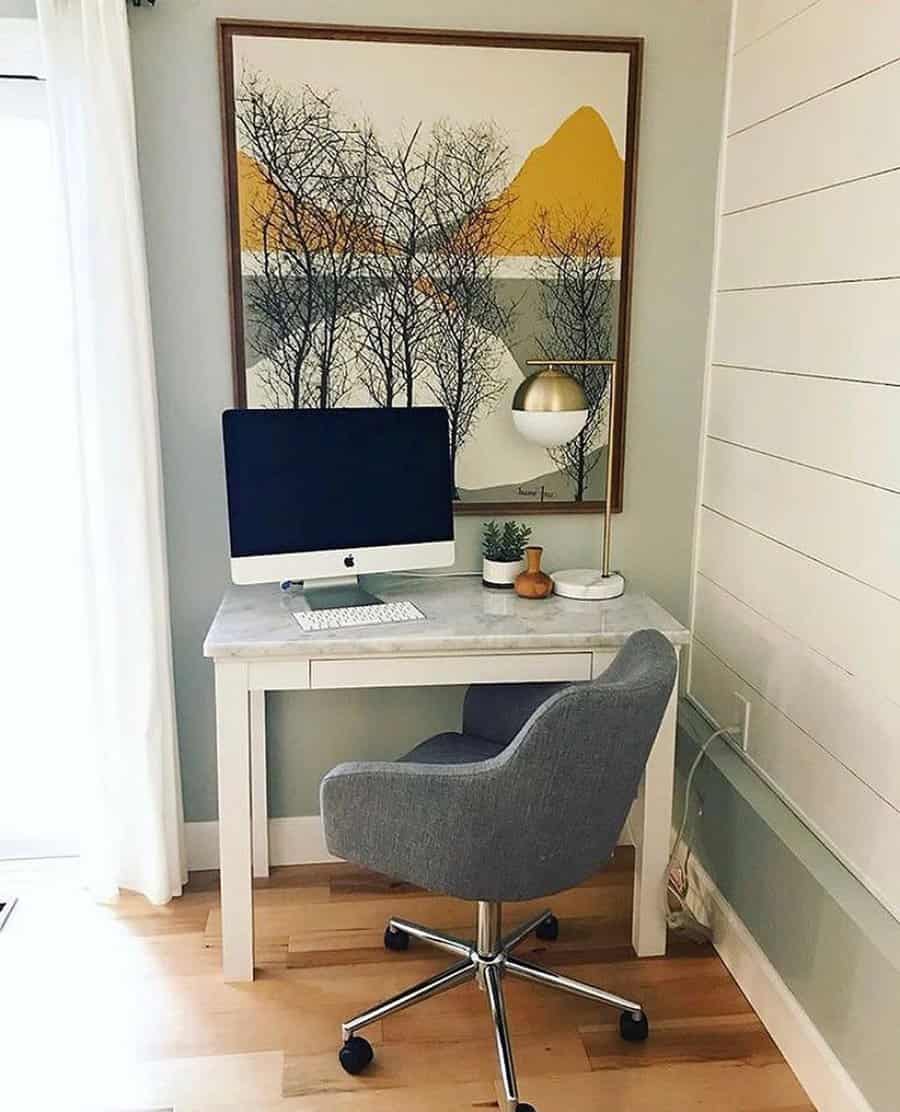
(334, 594)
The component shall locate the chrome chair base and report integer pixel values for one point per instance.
(487, 960)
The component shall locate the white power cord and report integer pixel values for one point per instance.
(677, 883)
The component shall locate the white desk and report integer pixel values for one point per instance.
(472, 635)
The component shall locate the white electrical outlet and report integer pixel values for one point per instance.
(742, 720)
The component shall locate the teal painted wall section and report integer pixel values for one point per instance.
(834, 945)
(177, 104)
(315, 730)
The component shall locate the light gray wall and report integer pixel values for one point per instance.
(176, 88)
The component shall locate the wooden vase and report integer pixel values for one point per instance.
(532, 582)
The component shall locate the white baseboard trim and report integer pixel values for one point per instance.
(819, 1071)
(293, 841)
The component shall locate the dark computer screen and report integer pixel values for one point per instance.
(310, 480)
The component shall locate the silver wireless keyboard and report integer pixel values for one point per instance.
(345, 617)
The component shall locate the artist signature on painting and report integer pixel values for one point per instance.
(542, 494)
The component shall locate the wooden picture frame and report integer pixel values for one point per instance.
(231, 31)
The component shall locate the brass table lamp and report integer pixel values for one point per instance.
(550, 408)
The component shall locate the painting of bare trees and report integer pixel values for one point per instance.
(398, 243)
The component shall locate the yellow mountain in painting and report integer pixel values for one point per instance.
(321, 228)
(254, 195)
(577, 174)
(576, 178)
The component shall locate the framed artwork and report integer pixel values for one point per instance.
(415, 214)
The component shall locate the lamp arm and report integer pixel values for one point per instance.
(610, 447)
(610, 451)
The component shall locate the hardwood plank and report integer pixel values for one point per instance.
(585, 940)
(474, 1095)
(464, 1060)
(144, 1020)
(700, 992)
(740, 1038)
(357, 946)
(233, 1077)
(668, 1088)
(291, 920)
(230, 1033)
(359, 882)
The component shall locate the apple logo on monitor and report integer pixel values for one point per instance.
(349, 561)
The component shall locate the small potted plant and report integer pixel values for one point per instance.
(503, 549)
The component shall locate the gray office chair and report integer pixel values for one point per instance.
(528, 800)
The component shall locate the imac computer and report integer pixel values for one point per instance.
(323, 495)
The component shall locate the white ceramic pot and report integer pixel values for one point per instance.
(501, 573)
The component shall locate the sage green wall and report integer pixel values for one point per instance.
(176, 89)
(834, 945)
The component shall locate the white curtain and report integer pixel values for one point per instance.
(131, 818)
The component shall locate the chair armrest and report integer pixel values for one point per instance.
(498, 711)
(396, 818)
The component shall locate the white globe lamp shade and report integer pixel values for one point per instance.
(550, 429)
(550, 408)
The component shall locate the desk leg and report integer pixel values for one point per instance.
(652, 825)
(258, 789)
(236, 884)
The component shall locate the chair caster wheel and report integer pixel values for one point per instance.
(631, 1029)
(355, 1054)
(524, 1108)
(548, 930)
(395, 939)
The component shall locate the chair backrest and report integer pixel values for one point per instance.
(570, 775)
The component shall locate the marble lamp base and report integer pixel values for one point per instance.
(587, 583)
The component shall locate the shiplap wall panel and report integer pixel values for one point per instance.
(851, 428)
(845, 524)
(752, 21)
(850, 231)
(858, 726)
(843, 134)
(861, 828)
(826, 45)
(838, 617)
(813, 330)
(797, 589)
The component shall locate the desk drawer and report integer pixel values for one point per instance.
(433, 671)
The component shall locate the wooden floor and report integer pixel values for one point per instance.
(124, 1008)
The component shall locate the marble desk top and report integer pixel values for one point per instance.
(461, 616)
